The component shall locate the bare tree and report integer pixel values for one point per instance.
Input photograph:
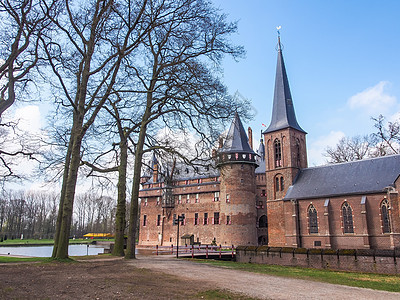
(350, 149)
(85, 53)
(23, 22)
(16, 147)
(387, 135)
(385, 141)
(178, 82)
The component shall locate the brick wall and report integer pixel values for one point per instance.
(374, 261)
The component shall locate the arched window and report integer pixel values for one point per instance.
(282, 184)
(277, 183)
(347, 214)
(298, 152)
(312, 219)
(278, 153)
(385, 216)
(262, 222)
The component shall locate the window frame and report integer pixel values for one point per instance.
(385, 218)
(347, 218)
(312, 215)
(277, 153)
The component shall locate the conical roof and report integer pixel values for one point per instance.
(283, 115)
(261, 153)
(236, 139)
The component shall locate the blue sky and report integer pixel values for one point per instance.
(342, 60)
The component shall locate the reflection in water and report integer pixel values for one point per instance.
(46, 251)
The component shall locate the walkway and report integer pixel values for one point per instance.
(256, 285)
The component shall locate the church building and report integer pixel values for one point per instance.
(271, 197)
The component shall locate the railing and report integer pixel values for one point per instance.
(196, 249)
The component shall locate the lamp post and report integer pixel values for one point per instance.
(177, 221)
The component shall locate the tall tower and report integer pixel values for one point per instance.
(237, 163)
(285, 143)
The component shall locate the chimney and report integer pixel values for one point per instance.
(250, 134)
(155, 173)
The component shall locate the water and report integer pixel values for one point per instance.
(46, 251)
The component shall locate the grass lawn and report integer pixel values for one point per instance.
(389, 283)
(8, 259)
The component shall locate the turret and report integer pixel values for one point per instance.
(237, 163)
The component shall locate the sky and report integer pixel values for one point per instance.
(341, 57)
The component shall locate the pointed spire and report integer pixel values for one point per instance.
(236, 139)
(261, 157)
(283, 115)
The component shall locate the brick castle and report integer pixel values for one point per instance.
(271, 197)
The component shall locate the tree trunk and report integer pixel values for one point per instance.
(120, 221)
(68, 201)
(133, 217)
(62, 197)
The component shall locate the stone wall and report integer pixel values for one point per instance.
(357, 260)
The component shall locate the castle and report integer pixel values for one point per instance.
(271, 197)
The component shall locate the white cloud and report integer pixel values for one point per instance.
(395, 117)
(318, 147)
(29, 118)
(373, 99)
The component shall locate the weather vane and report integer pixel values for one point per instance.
(277, 29)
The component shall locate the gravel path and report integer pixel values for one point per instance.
(256, 285)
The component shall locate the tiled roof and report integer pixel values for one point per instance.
(357, 177)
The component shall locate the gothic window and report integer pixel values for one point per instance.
(277, 184)
(298, 152)
(262, 222)
(228, 220)
(312, 219)
(278, 153)
(196, 219)
(347, 214)
(385, 216)
(282, 184)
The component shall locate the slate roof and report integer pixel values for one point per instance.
(261, 163)
(184, 172)
(283, 115)
(358, 177)
(236, 139)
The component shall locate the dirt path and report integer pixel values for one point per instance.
(256, 285)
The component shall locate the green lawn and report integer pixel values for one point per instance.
(8, 259)
(389, 283)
